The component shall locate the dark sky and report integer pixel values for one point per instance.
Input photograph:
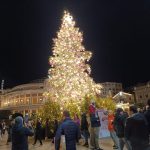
(116, 31)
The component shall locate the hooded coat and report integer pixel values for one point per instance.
(20, 135)
(136, 131)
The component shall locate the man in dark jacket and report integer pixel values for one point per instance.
(94, 131)
(70, 130)
(119, 125)
(38, 132)
(20, 135)
(136, 130)
(84, 128)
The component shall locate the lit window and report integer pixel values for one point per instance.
(34, 100)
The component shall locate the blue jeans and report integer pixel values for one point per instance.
(86, 135)
(122, 142)
(114, 138)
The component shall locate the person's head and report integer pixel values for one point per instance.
(16, 115)
(19, 122)
(66, 114)
(132, 109)
(119, 111)
(110, 112)
(83, 114)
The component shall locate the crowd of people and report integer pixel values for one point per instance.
(130, 129)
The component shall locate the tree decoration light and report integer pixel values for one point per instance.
(69, 74)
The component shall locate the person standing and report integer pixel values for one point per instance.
(20, 135)
(38, 132)
(111, 129)
(136, 130)
(70, 130)
(84, 129)
(3, 127)
(55, 129)
(9, 131)
(94, 127)
(76, 119)
(78, 122)
(47, 125)
(119, 125)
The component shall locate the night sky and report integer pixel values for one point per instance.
(116, 31)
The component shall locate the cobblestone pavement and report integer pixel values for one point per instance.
(106, 144)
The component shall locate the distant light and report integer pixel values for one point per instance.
(120, 93)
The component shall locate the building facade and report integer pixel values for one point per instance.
(26, 98)
(142, 92)
(123, 97)
(111, 88)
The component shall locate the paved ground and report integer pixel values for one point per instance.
(106, 144)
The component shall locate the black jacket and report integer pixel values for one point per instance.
(38, 130)
(84, 123)
(95, 121)
(136, 130)
(119, 123)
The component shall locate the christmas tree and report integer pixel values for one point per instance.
(69, 76)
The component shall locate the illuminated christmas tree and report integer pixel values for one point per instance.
(69, 76)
